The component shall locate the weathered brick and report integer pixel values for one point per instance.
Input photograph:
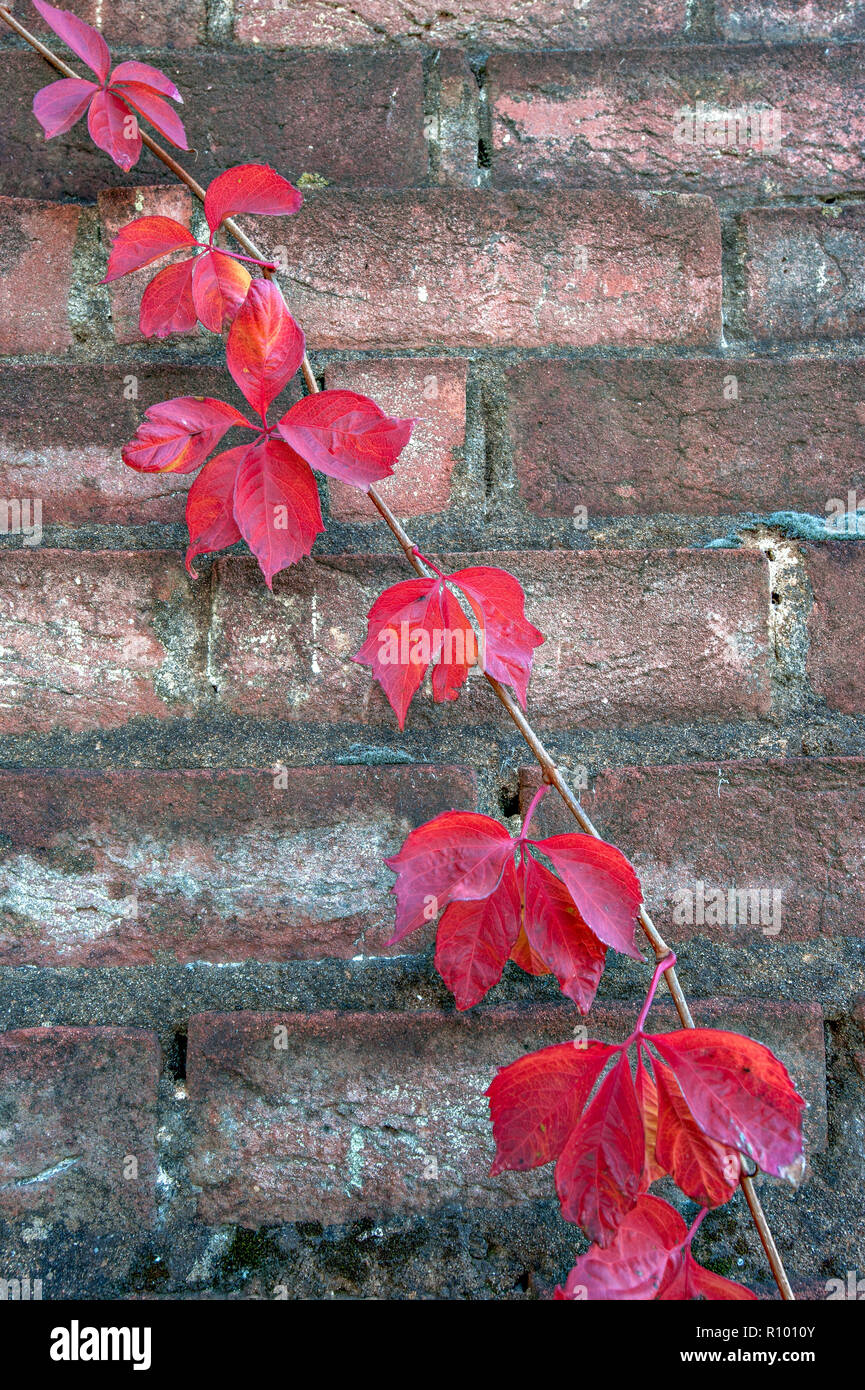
(119, 206)
(837, 574)
(787, 20)
(451, 124)
(794, 826)
(477, 24)
(129, 868)
(170, 24)
(92, 640)
(77, 1136)
(463, 267)
(36, 246)
(241, 108)
(632, 637)
(61, 433)
(802, 272)
(701, 437)
(433, 391)
(701, 117)
(334, 1117)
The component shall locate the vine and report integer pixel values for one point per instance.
(703, 1106)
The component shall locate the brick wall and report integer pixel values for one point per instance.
(637, 361)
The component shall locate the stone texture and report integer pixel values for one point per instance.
(802, 275)
(37, 241)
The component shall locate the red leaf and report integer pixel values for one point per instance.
(249, 188)
(457, 856)
(706, 1171)
(219, 287)
(602, 884)
(59, 105)
(637, 1263)
(265, 345)
(210, 506)
(693, 1281)
(392, 615)
(497, 601)
(536, 1101)
(558, 934)
(526, 958)
(739, 1094)
(346, 436)
(152, 107)
(647, 1096)
(177, 435)
(167, 305)
(82, 38)
(475, 939)
(143, 241)
(145, 75)
(600, 1170)
(276, 504)
(402, 624)
(114, 129)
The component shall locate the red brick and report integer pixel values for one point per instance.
(364, 1115)
(118, 207)
(241, 107)
(61, 432)
(613, 119)
(478, 23)
(133, 868)
(632, 638)
(36, 246)
(170, 24)
(802, 272)
(787, 20)
(79, 1105)
(637, 438)
(462, 267)
(451, 125)
(836, 573)
(794, 825)
(433, 391)
(93, 640)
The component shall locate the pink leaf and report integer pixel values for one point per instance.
(210, 506)
(602, 884)
(177, 435)
(152, 107)
(345, 435)
(265, 345)
(114, 129)
(457, 856)
(219, 286)
(167, 305)
(252, 188)
(637, 1263)
(58, 106)
(82, 38)
(497, 600)
(147, 76)
(143, 241)
(276, 505)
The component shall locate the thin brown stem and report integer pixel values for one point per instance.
(550, 771)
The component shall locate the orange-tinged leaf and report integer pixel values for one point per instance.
(265, 346)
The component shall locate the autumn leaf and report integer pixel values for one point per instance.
(113, 102)
(650, 1258)
(419, 624)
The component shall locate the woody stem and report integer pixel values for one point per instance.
(551, 774)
